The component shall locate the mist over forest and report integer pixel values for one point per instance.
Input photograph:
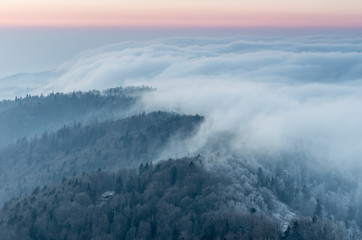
(187, 138)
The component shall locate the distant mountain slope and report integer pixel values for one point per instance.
(174, 199)
(109, 145)
(33, 115)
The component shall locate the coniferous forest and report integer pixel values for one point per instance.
(93, 165)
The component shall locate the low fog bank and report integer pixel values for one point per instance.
(318, 120)
(258, 93)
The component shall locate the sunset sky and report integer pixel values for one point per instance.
(186, 13)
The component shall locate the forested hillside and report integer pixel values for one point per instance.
(174, 199)
(73, 149)
(34, 115)
(100, 175)
(320, 204)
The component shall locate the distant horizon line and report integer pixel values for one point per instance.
(144, 27)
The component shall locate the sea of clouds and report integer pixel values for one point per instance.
(258, 93)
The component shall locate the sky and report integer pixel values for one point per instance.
(186, 13)
(38, 35)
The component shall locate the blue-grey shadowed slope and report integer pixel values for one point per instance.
(108, 145)
(33, 115)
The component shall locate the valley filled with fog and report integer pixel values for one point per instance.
(274, 94)
(237, 132)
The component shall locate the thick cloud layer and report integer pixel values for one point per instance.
(272, 94)
(267, 60)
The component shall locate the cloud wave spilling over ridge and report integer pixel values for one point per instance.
(269, 94)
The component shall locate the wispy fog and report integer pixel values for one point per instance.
(273, 94)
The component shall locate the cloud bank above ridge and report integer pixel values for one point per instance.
(271, 94)
(267, 60)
